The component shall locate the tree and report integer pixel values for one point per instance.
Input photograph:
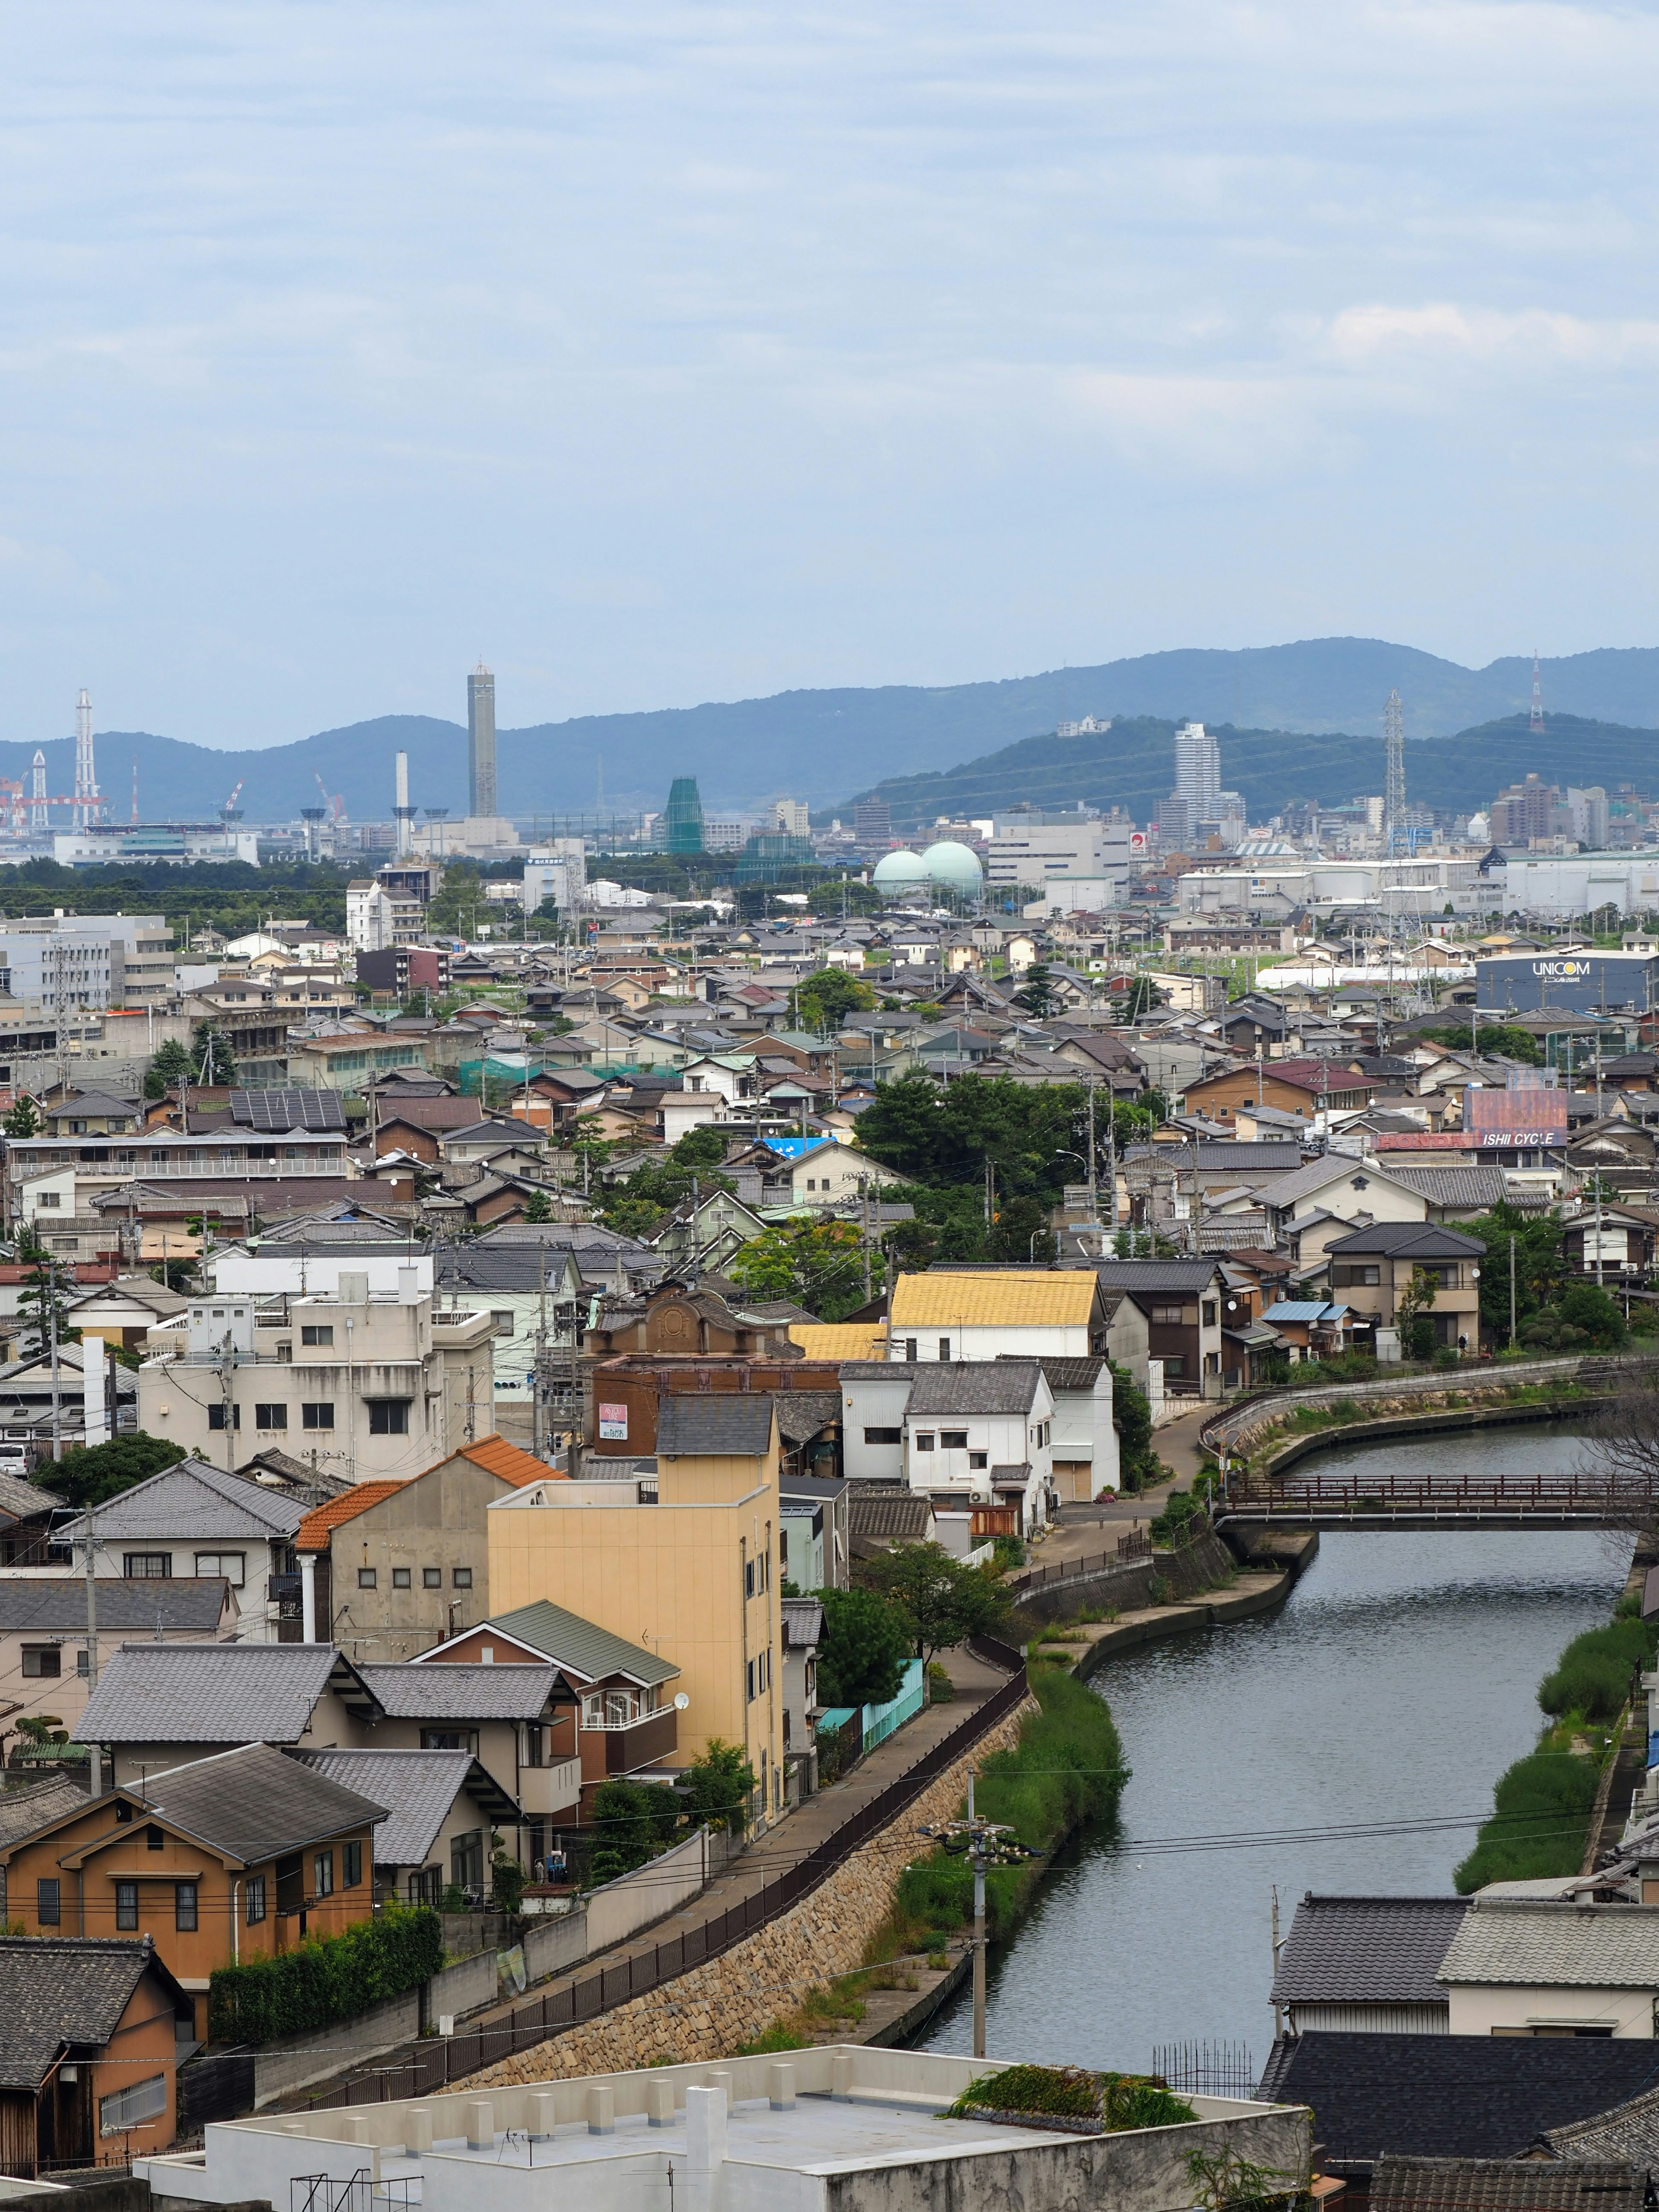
(866, 1642)
(1506, 1040)
(1038, 994)
(718, 1786)
(1412, 1318)
(171, 1064)
(1139, 1465)
(633, 1821)
(538, 1206)
(24, 1119)
(824, 1000)
(1020, 1231)
(818, 1264)
(1582, 1318)
(88, 1476)
(1143, 999)
(41, 1297)
(932, 1135)
(214, 1062)
(178, 1274)
(944, 1600)
(1540, 1266)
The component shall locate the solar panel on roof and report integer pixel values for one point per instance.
(287, 1109)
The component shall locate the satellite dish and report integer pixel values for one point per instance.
(681, 1701)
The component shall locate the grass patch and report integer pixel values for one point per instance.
(778, 2037)
(1592, 1675)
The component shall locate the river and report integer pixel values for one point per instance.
(1397, 1683)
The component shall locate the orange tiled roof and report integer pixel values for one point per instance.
(314, 1529)
(497, 1456)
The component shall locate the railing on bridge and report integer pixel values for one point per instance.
(1586, 1495)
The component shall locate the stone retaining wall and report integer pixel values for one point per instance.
(707, 2012)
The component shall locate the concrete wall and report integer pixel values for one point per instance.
(1485, 2010)
(649, 1893)
(296, 2061)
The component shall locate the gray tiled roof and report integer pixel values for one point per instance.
(802, 1413)
(1075, 1374)
(1503, 2184)
(973, 1386)
(1411, 1240)
(1539, 1944)
(1335, 1169)
(21, 1501)
(889, 1513)
(1478, 1184)
(192, 1500)
(23, 1811)
(417, 1789)
(207, 1694)
(255, 1801)
(1154, 1275)
(726, 1422)
(57, 1990)
(464, 1690)
(1628, 2130)
(803, 1621)
(1367, 1950)
(60, 1603)
(580, 1647)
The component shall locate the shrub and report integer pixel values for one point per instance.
(1065, 2091)
(1593, 1674)
(777, 2037)
(718, 1787)
(330, 1978)
(1543, 1807)
(867, 1643)
(634, 1820)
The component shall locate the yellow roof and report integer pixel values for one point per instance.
(841, 1340)
(992, 1299)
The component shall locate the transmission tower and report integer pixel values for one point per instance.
(86, 774)
(1393, 789)
(1537, 721)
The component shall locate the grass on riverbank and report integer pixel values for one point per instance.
(1542, 1806)
(1067, 1768)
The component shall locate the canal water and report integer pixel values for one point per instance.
(1393, 1687)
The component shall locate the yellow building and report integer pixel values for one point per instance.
(693, 1574)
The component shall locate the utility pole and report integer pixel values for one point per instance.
(988, 1844)
(1511, 1294)
(51, 1329)
(97, 1779)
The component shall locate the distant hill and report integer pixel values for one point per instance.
(1132, 766)
(821, 745)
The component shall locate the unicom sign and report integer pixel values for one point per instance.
(1574, 983)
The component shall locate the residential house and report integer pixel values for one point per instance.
(34, 1403)
(441, 1809)
(44, 1650)
(1306, 1088)
(814, 1525)
(1373, 1268)
(389, 1569)
(698, 1571)
(1181, 1300)
(1367, 1964)
(195, 1522)
(239, 1855)
(1312, 1328)
(978, 1439)
(1359, 1192)
(90, 2032)
(124, 1311)
(27, 1513)
(803, 1632)
(954, 1313)
(1529, 1966)
(1084, 1448)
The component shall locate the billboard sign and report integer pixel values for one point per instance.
(1501, 1121)
(613, 1422)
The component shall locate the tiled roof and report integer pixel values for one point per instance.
(462, 1690)
(803, 1621)
(1076, 1374)
(1457, 2096)
(417, 1789)
(192, 1499)
(580, 1647)
(1479, 1184)
(1411, 1240)
(23, 1811)
(1539, 1944)
(57, 1990)
(498, 1457)
(60, 1603)
(723, 1424)
(1155, 1276)
(847, 1340)
(976, 1386)
(314, 1529)
(888, 1513)
(255, 1801)
(1367, 1950)
(206, 1693)
(1323, 1175)
(802, 1413)
(943, 1299)
(1505, 2184)
(21, 1501)
(1628, 2130)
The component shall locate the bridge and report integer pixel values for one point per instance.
(1380, 1500)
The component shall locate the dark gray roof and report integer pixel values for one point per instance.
(22, 1501)
(1411, 1240)
(802, 1413)
(1479, 1183)
(1154, 1275)
(888, 1513)
(23, 1811)
(729, 1422)
(56, 1990)
(1457, 2096)
(193, 1500)
(60, 1603)
(1367, 1950)
(255, 1801)
(209, 1692)
(417, 1789)
(1505, 2184)
(973, 1386)
(1629, 2130)
(450, 1690)
(1076, 1374)
(576, 1646)
(803, 1621)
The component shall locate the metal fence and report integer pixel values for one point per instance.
(425, 2068)
(1137, 1545)
(1211, 2069)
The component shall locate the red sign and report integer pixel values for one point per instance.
(1501, 1120)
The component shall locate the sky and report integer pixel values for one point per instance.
(674, 352)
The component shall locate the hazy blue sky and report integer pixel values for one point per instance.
(665, 352)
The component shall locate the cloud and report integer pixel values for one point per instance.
(1483, 334)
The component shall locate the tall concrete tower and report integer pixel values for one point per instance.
(402, 812)
(38, 794)
(86, 774)
(481, 741)
(1394, 769)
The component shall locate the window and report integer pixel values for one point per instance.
(749, 1578)
(909, 1348)
(232, 1566)
(366, 1577)
(184, 1904)
(884, 1436)
(534, 1736)
(924, 1441)
(388, 1416)
(216, 1417)
(256, 1900)
(432, 1578)
(463, 1578)
(155, 1838)
(84, 1662)
(503, 1321)
(322, 1869)
(47, 1903)
(126, 1904)
(1208, 1312)
(400, 1578)
(450, 1740)
(978, 1459)
(147, 1566)
(1167, 1316)
(317, 1417)
(270, 1416)
(313, 1332)
(352, 1865)
(953, 1439)
(132, 2107)
(1348, 1275)
(944, 1348)
(42, 1659)
(49, 1198)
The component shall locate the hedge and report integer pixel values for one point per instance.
(328, 1978)
(1541, 1817)
(1593, 1674)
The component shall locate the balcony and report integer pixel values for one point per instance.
(545, 1790)
(639, 1743)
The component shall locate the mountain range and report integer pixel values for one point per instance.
(1327, 694)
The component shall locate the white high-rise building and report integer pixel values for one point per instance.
(1197, 795)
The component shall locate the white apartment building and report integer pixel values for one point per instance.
(1081, 863)
(981, 1434)
(792, 817)
(370, 1385)
(62, 963)
(557, 872)
(377, 919)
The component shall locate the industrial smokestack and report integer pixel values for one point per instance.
(404, 812)
(86, 774)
